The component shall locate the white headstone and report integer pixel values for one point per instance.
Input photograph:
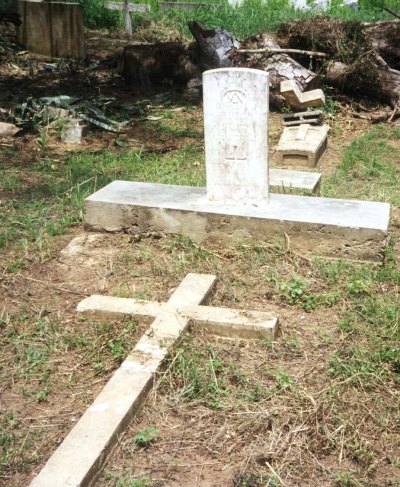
(236, 134)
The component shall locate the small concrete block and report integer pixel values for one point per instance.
(290, 90)
(314, 117)
(312, 98)
(318, 226)
(301, 146)
(74, 131)
(294, 182)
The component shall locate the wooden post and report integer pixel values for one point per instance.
(127, 18)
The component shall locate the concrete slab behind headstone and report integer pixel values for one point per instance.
(318, 226)
(294, 182)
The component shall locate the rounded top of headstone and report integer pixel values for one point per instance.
(257, 72)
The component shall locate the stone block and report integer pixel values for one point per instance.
(74, 131)
(314, 117)
(300, 100)
(294, 182)
(301, 146)
(308, 225)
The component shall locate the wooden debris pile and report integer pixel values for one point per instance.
(356, 58)
(362, 59)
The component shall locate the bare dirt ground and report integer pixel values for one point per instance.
(277, 421)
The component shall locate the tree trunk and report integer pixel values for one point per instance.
(212, 47)
(145, 66)
(280, 67)
(386, 86)
(384, 38)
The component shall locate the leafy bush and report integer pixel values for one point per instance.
(95, 16)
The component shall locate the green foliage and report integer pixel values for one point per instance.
(247, 19)
(346, 479)
(95, 16)
(146, 437)
(369, 169)
(295, 292)
(377, 318)
(36, 212)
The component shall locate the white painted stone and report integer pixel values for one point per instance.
(83, 453)
(108, 306)
(236, 134)
(317, 226)
(219, 321)
(232, 323)
(298, 99)
(302, 145)
(74, 131)
(289, 181)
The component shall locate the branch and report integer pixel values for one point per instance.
(274, 50)
(395, 14)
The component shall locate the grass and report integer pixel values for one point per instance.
(326, 390)
(45, 198)
(370, 168)
(244, 20)
(32, 348)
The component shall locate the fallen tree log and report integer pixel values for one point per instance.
(364, 57)
(384, 38)
(280, 66)
(146, 66)
(385, 86)
(212, 47)
(343, 41)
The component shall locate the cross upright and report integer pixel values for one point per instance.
(127, 8)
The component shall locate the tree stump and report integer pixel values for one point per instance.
(52, 29)
(145, 66)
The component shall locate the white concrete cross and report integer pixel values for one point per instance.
(127, 8)
(84, 452)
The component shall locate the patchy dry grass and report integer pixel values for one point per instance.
(316, 407)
